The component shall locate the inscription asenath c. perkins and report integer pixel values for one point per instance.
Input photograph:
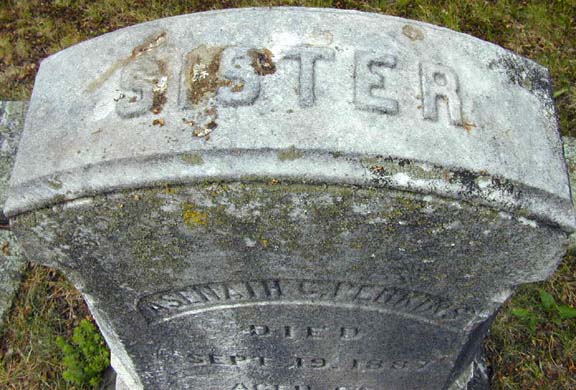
(233, 76)
(196, 299)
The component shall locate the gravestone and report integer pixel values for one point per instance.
(292, 199)
(570, 155)
(12, 262)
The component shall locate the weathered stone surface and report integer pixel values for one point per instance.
(11, 260)
(570, 154)
(326, 200)
(333, 97)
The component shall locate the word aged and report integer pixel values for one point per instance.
(233, 75)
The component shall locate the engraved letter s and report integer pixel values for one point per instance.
(137, 81)
(235, 66)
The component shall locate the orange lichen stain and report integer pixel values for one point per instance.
(202, 76)
(6, 249)
(150, 43)
(262, 61)
(158, 122)
(468, 126)
(160, 88)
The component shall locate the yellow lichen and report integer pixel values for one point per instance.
(193, 217)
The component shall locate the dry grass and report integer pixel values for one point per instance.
(46, 306)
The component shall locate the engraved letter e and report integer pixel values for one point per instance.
(367, 79)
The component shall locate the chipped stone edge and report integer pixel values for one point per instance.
(120, 361)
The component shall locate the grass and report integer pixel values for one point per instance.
(524, 357)
(541, 356)
(46, 307)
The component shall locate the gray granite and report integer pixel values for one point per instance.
(292, 199)
(12, 261)
(570, 154)
(339, 95)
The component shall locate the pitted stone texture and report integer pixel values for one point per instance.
(224, 286)
(11, 126)
(303, 94)
(12, 261)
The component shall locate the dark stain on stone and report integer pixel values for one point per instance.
(469, 181)
(465, 178)
(384, 168)
(503, 184)
(158, 102)
(523, 73)
(400, 161)
(262, 61)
